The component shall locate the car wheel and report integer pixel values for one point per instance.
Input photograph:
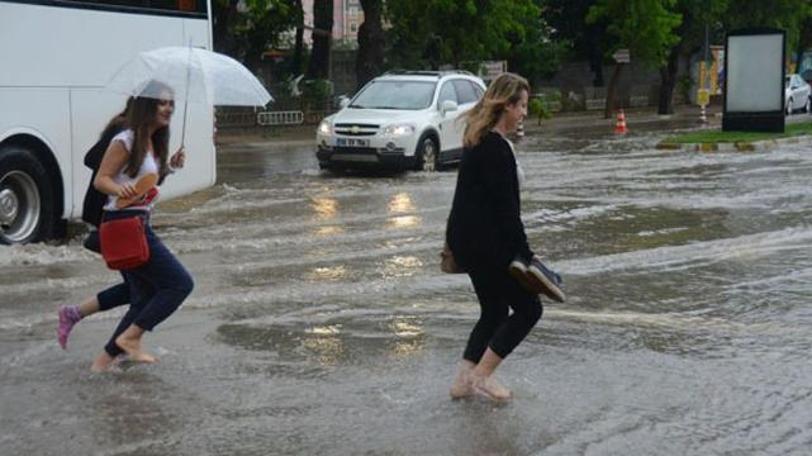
(26, 206)
(427, 154)
(789, 107)
(808, 106)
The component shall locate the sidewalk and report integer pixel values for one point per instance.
(634, 116)
(306, 134)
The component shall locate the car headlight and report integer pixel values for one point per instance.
(398, 130)
(325, 128)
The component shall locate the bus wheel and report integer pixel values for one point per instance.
(26, 209)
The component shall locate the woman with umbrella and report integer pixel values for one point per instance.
(159, 286)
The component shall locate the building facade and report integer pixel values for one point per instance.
(348, 15)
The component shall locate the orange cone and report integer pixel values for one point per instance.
(620, 126)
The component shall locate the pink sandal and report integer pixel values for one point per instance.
(68, 316)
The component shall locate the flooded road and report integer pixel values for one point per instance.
(320, 323)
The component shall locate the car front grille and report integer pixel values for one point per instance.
(354, 129)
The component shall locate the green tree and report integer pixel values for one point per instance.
(789, 15)
(371, 42)
(645, 27)
(698, 18)
(431, 33)
(587, 41)
(319, 67)
(246, 34)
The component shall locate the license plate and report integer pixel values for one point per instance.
(352, 142)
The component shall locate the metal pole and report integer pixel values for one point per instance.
(186, 95)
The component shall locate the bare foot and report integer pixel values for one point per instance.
(133, 349)
(102, 363)
(462, 383)
(489, 388)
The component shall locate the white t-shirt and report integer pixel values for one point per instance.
(150, 165)
(519, 169)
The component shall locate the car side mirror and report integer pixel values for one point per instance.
(343, 101)
(448, 106)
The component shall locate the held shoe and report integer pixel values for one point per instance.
(518, 270)
(545, 280)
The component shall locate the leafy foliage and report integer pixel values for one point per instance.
(645, 27)
(248, 31)
(432, 33)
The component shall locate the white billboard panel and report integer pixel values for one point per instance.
(754, 73)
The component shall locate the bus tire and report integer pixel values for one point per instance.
(26, 204)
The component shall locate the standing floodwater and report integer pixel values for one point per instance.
(320, 323)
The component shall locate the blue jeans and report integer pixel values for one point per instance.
(114, 296)
(156, 290)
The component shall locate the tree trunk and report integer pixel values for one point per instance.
(223, 16)
(668, 79)
(369, 62)
(593, 39)
(319, 67)
(611, 103)
(298, 48)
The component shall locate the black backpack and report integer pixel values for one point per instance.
(94, 199)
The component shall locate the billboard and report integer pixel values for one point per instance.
(754, 80)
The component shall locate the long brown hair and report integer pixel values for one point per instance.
(118, 121)
(505, 90)
(140, 118)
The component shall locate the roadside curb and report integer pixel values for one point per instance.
(744, 146)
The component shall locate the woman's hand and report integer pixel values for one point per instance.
(178, 159)
(126, 191)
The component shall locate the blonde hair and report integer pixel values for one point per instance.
(505, 90)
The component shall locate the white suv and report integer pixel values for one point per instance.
(401, 120)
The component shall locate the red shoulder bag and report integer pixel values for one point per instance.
(124, 242)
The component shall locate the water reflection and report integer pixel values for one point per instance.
(401, 203)
(324, 342)
(409, 338)
(326, 208)
(402, 266)
(327, 273)
(330, 230)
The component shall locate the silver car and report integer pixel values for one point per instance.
(796, 94)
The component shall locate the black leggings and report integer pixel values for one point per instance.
(497, 291)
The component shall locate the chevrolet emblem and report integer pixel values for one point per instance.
(355, 129)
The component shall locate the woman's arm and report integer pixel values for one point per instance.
(114, 160)
(501, 181)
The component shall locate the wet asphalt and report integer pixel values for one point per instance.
(321, 324)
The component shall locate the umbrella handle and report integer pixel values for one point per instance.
(186, 95)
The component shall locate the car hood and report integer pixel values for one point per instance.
(374, 116)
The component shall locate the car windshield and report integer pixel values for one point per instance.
(411, 95)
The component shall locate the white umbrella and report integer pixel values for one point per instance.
(194, 74)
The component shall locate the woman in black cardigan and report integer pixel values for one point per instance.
(485, 234)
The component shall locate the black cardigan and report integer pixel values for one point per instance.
(485, 227)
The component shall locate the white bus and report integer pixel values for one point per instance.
(55, 58)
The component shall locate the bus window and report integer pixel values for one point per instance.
(190, 6)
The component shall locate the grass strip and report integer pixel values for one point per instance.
(718, 136)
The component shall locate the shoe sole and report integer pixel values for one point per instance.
(519, 272)
(542, 284)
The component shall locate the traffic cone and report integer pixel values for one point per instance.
(620, 126)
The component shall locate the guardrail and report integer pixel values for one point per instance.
(270, 118)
